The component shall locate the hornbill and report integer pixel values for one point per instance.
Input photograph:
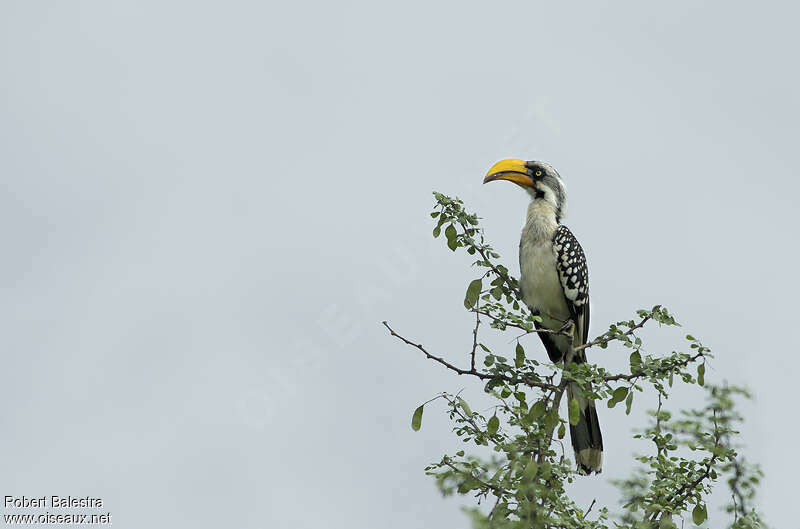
(554, 284)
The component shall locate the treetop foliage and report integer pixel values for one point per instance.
(519, 468)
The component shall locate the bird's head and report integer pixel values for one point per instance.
(539, 179)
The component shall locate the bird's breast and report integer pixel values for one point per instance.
(541, 287)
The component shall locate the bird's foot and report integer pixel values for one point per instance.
(567, 327)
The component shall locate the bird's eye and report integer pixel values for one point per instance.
(538, 173)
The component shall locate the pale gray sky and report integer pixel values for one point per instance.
(208, 207)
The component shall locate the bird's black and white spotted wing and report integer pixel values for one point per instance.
(574, 276)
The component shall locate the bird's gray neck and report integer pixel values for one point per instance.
(541, 222)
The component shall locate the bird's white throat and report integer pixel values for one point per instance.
(541, 221)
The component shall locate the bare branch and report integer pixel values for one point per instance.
(474, 341)
(472, 371)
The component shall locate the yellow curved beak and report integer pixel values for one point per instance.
(512, 170)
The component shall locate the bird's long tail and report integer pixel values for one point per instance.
(587, 441)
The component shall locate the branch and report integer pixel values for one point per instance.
(604, 339)
(472, 371)
(562, 386)
(526, 331)
(736, 491)
(683, 492)
(590, 508)
(734, 483)
(506, 323)
(549, 435)
(687, 488)
(474, 341)
(639, 374)
(482, 252)
(497, 491)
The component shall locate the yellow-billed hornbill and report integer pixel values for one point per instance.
(554, 283)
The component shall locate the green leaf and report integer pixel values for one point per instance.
(530, 469)
(473, 292)
(701, 374)
(416, 420)
(636, 361)
(468, 485)
(450, 233)
(536, 411)
(551, 420)
(436, 231)
(699, 514)
(665, 522)
(435, 214)
(546, 470)
(493, 425)
(628, 403)
(562, 431)
(464, 406)
(574, 412)
(620, 394)
(519, 361)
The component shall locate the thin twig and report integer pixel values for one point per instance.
(604, 339)
(506, 277)
(496, 503)
(639, 374)
(496, 490)
(684, 491)
(474, 341)
(472, 371)
(518, 326)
